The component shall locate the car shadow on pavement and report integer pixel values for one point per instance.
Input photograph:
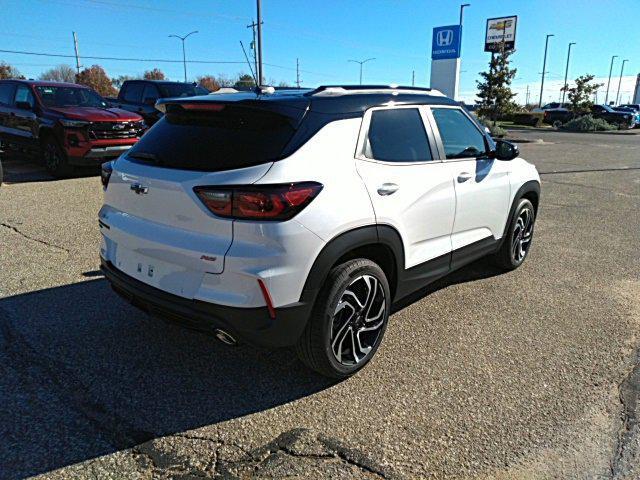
(477, 270)
(20, 169)
(84, 374)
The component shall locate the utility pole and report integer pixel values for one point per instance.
(413, 78)
(566, 72)
(606, 97)
(260, 68)
(526, 101)
(75, 46)
(297, 73)
(361, 62)
(253, 45)
(620, 81)
(184, 55)
(544, 66)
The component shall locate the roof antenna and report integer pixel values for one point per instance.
(249, 63)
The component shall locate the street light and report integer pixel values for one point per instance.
(184, 57)
(566, 72)
(544, 66)
(620, 81)
(606, 97)
(361, 62)
(462, 7)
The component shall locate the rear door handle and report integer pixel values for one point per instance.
(387, 189)
(463, 177)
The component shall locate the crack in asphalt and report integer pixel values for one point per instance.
(117, 431)
(627, 450)
(33, 239)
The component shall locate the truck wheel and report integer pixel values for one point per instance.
(1, 174)
(55, 159)
(517, 242)
(348, 321)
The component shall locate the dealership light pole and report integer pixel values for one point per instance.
(620, 81)
(606, 97)
(462, 7)
(544, 66)
(361, 62)
(566, 72)
(184, 56)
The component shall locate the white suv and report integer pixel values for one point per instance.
(297, 218)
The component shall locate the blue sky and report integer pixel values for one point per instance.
(324, 35)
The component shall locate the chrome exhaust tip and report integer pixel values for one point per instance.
(225, 337)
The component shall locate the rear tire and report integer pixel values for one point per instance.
(517, 242)
(1, 174)
(348, 320)
(55, 158)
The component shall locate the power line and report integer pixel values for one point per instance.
(123, 59)
(157, 60)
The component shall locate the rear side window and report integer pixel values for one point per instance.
(133, 92)
(23, 94)
(6, 93)
(398, 135)
(460, 136)
(209, 140)
(150, 92)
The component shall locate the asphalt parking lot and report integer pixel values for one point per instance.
(531, 374)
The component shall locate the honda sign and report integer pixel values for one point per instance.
(446, 42)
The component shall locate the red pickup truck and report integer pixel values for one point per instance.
(68, 125)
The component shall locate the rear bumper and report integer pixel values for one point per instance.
(252, 325)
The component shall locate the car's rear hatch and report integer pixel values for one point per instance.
(155, 227)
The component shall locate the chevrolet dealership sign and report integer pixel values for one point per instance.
(500, 30)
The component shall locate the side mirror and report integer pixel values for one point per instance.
(150, 101)
(23, 106)
(506, 150)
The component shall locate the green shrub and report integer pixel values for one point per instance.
(587, 123)
(496, 130)
(531, 119)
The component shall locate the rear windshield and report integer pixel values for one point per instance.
(181, 90)
(233, 137)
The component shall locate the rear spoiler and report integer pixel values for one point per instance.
(294, 109)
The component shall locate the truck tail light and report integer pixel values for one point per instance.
(259, 202)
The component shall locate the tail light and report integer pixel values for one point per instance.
(105, 173)
(259, 202)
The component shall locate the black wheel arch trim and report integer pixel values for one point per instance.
(532, 186)
(346, 242)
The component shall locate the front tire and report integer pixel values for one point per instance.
(348, 320)
(55, 159)
(517, 242)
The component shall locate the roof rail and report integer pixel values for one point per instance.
(345, 89)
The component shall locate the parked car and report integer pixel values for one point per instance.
(68, 125)
(140, 96)
(631, 111)
(299, 218)
(562, 115)
(623, 119)
(634, 106)
(551, 106)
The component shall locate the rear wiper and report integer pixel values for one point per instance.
(145, 156)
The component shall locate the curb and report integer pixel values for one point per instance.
(611, 132)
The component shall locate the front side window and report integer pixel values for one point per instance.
(460, 136)
(398, 135)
